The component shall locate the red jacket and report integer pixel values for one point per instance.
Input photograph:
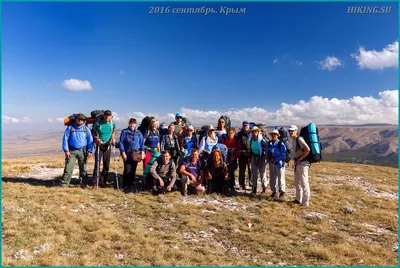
(232, 144)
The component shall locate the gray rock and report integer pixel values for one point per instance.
(348, 210)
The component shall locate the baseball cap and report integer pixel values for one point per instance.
(292, 127)
(255, 129)
(107, 112)
(245, 122)
(210, 127)
(191, 127)
(178, 115)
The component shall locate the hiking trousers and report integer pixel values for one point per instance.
(257, 169)
(301, 183)
(69, 167)
(243, 163)
(277, 175)
(232, 165)
(186, 182)
(129, 172)
(105, 155)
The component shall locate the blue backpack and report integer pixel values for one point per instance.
(310, 135)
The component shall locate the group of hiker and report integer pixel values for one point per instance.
(175, 158)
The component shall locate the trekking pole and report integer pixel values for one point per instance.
(115, 167)
(98, 165)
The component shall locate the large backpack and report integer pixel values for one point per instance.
(71, 120)
(283, 137)
(98, 115)
(145, 124)
(203, 132)
(310, 135)
(186, 121)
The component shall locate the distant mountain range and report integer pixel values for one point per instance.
(368, 144)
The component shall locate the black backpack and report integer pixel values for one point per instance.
(203, 133)
(311, 137)
(283, 137)
(145, 124)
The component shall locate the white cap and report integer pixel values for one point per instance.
(292, 127)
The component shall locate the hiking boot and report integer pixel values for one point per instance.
(273, 195)
(263, 190)
(185, 193)
(281, 196)
(295, 202)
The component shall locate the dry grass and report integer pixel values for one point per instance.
(81, 227)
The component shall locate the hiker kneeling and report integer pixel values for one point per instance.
(192, 174)
(163, 172)
(217, 174)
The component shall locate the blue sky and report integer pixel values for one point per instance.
(138, 62)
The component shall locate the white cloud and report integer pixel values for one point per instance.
(320, 110)
(50, 120)
(26, 120)
(8, 119)
(60, 119)
(330, 63)
(122, 73)
(299, 63)
(275, 61)
(378, 60)
(77, 85)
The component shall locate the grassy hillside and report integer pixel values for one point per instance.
(352, 220)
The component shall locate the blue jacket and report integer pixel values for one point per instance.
(131, 136)
(77, 138)
(278, 153)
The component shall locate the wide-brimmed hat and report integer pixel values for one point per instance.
(255, 129)
(81, 117)
(275, 131)
(292, 128)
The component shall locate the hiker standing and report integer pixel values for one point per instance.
(189, 141)
(258, 147)
(221, 130)
(217, 174)
(179, 124)
(233, 155)
(207, 143)
(244, 154)
(276, 155)
(170, 143)
(77, 145)
(131, 143)
(151, 141)
(192, 173)
(301, 167)
(163, 172)
(103, 132)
